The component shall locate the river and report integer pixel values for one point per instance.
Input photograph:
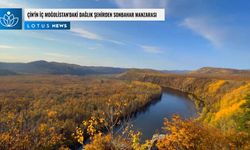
(150, 120)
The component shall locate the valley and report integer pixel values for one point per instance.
(41, 109)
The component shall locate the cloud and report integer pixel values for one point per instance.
(6, 47)
(58, 55)
(95, 47)
(141, 3)
(93, 36)
(206, 28)
(39, 35)
(19, 57)
(86, 34)
(11, 4)
(151, 49)
(116, 42)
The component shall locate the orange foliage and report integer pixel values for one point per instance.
(215, 86)
(230, 106)
(43, 111)
(190, 135)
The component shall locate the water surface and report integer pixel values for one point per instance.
(150, 120)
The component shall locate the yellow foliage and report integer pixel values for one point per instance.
(42, 128)
(229, 105)
(100, 143)
(191, 135)
(79, 135)
(45, 109)
(106, 142)
(135, 139)
(213, 87)
(52, 114)
(228, 111)
(146, 145)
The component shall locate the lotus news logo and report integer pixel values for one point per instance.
(10, 18)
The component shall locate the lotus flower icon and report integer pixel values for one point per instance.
(9, 20)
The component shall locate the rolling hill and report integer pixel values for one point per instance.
(55, 68)
(4, 72)
(220, 72)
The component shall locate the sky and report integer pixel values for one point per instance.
(195, 34)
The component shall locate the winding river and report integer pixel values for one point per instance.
(150, 120)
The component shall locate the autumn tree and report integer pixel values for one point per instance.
(191, 135)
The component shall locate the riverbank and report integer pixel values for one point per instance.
(221, 100)
(150, 120)
(50, 107)
(199, 104)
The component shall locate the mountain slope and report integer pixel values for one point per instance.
(44, 67)
(4, 72)
(176, 71)
(220, 72)
(224, 102)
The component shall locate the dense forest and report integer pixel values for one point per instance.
(42, 112)
(222, 98)
(65, 111)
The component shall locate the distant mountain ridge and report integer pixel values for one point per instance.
(176, 71)
(4, 72)
(55, 68)
(220, 71)
(44, 67)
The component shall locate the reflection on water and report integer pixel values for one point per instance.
(150, 120)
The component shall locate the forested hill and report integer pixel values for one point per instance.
(222, 95)
(205, 72)
(225, 72)
(56, 68)
(44, 67)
